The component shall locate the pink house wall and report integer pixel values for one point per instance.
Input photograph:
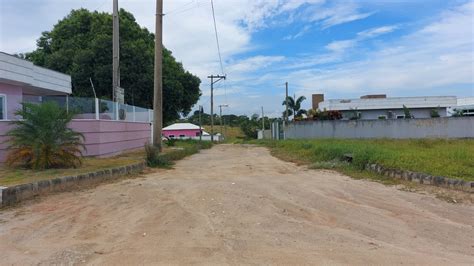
(185, 132)
(14, 98)
(102, 138)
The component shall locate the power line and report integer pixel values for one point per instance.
(184, 8)
(178, 9)
(217, 38)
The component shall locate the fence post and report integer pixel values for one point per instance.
(96, 109)
(116, 111)
(134, 117)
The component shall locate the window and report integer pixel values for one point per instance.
(182, 136)
(197, 134)
(171, 136)
(400, 117)
(3, 107)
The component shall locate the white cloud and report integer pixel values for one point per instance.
(437, 55)
(341, 12)
(370, 33)
(343, 45)
(253, 63)
(340, 46)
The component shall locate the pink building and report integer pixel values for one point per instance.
(181, 130)
(108, 127)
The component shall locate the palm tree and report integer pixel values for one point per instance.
(294, 107)
(42, 139)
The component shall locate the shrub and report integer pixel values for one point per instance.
(407, 112)
(42, 139)
(154, 158)
(183, 148)
(434, 113)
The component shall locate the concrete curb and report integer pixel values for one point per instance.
(15, 194)
(421, 178)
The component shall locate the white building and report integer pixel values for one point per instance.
(383, 107)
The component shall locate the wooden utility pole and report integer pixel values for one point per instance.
(286, 103)
(212, 77)
(115, 54)
(220, 115)
(200, 123)
(158, 76)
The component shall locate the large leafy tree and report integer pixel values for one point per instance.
(81, 45)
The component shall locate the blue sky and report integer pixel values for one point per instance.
(343, 49)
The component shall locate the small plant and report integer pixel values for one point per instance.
(42, 139)
(434, 113)
(154, 158)
(407, 112)
(382, 117)
(354, 115)
(458, 113)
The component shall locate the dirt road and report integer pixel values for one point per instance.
(238, 205)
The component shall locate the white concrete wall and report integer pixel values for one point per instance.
(21, 72)
(446, 127)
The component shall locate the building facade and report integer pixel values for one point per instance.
(382, 107)
(106, 130)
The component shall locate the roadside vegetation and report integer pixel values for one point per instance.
(175, 150)
(42, 139)
(13, 176)
(449, 158)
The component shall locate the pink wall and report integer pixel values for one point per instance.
(14, 98)
(102, 137)
(4, 127)
(176, 133)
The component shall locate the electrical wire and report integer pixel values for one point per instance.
(217, 37)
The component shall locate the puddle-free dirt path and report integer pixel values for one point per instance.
(238, 205)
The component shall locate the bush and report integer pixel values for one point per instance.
(434, 113)
(407, 112)
(183, 148)
(42, 139)
(154, 158)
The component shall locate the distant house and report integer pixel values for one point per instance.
(380, 106)
(181, 130)
(187, 131)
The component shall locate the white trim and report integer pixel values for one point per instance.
(5, 107)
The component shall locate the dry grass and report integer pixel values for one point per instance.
(231, 133)
(14, 176)
(450, 158)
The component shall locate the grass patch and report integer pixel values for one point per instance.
(231, 134)
(449, 158)
(179, 150)
(15, 176)
(182, 148)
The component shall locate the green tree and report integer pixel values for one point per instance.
(42, 139)
(407, 112)
(294, 107)
(81, 46)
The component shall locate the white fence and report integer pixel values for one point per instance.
(98, 109)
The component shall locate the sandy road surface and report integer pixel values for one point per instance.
(238, 205)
